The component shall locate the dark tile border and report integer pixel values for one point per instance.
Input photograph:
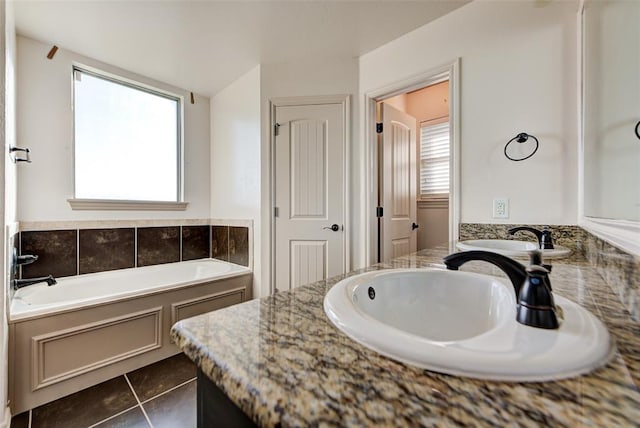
(196, 242)
(71, 252)
(239, 245)
(220, 242)
(102, 250)
(158, 245)
(57, 252)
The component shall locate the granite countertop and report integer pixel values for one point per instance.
(282, 362)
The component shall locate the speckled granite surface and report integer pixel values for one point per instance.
(282, 361)
(565, 235)
(620, 270)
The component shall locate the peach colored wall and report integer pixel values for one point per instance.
(429, 103)
(399, 102)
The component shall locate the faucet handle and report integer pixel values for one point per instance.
(536, 306)
(536, 290)
(26, 259)
(546, 241)
(535, 259)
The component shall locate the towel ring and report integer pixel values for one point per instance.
(637, 131)
(521, 138)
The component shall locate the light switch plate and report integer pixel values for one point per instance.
(501, 208)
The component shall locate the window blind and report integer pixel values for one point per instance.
(434, 159)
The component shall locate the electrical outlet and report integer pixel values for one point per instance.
(501, 208)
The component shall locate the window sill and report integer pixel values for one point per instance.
(121, 205)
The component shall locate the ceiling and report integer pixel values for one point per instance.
(203, 46)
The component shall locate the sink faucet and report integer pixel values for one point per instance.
(536, 307)
(545, 241)
(19, 283)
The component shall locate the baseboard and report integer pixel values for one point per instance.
(6, 423)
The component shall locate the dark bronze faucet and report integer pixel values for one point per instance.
(19, 283)
(27, 259)
(536, 307)
(545, 241)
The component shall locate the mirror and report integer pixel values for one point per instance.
(611, 109)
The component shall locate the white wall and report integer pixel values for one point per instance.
(8, 189)
(45, 126)
(11, 172)
(518, 71)
(326, 76)
(235, 158)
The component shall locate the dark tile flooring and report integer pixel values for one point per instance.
(160, 395)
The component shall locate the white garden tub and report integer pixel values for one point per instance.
(79, 291)
(89, 328)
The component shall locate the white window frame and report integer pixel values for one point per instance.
(438, 196)
(126, 205)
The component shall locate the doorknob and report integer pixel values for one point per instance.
(333, 227)
(414, 226)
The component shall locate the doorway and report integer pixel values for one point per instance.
(426, 106)
(309, 176)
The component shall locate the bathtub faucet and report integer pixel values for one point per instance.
(19, 283)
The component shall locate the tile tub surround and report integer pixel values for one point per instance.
(57, 252)
(102, 250)
(220, 242)
(158, 245)
(565, 235)
(282, 362)
(239, 245)
(88, 250)
(196, 242)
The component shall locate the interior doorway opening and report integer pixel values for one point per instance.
(426, 181)
(426, 187)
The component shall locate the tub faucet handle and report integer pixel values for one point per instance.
(26, 259)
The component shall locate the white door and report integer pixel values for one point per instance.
(309, 194)
(399, 181)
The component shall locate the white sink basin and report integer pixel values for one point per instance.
(463, 323)
(511, 248)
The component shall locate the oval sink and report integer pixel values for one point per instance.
(463, 323)
(511, 248)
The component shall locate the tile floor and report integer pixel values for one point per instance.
(160, 395)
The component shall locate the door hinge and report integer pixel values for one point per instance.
(276, 212)
(378, 212)
(276, 129)
(379, 128)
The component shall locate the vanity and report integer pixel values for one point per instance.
(280, 361)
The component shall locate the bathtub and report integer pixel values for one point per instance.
(83, 290)
(89, 328)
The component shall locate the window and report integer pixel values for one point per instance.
(127, 140)
(434, 160)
